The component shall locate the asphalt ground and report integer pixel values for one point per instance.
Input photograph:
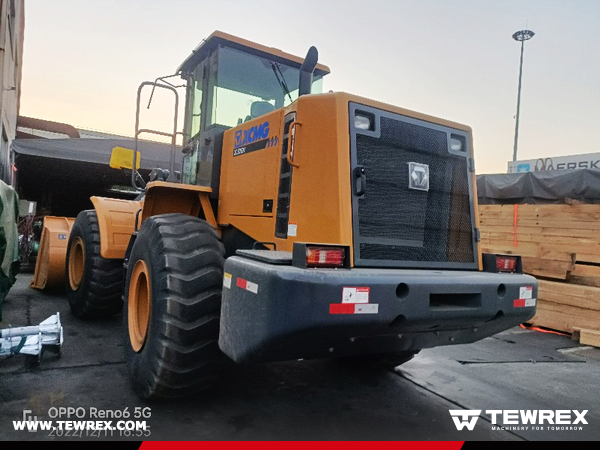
(301, 400)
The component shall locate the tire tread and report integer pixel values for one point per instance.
(99, 295)
(185, 356)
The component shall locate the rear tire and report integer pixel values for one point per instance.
(172, 307)
(94, 284)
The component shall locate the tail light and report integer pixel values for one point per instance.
(506, 263)
(502, 263)
(315, 255)
(325, 257)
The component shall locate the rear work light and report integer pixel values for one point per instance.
(315, 255)
(502, 263)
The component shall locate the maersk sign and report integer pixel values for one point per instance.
(253, 134)
(588, 161)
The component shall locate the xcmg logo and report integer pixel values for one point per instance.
(513, 419)
(253, 134)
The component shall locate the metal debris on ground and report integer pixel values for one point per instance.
(33, 340)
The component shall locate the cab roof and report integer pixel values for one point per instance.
(221, 38)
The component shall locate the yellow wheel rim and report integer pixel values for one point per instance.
(76, 262)
(138, 305)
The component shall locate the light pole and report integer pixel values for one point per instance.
(522, 36)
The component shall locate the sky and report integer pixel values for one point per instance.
(84, 60)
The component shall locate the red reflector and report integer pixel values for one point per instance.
(325, 257)
(506, 263)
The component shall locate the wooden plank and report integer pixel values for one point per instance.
(565, 317)
(559, 224)
(586, 218)
(541, 251)
(544, 231)
(589, 337)
(584, 212)
(570, 214)
(585, 252)
(531, 251)
(585, 275)
(548, 268)
(586, 271)
(553, 216)
(585, 258)
(592, 240)
(583, 297)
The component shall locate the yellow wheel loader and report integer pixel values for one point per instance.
(303, 225)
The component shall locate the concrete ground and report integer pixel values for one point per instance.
(303, 400)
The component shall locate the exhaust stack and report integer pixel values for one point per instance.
(307, 70)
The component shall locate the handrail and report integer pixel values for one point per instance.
(139, 131)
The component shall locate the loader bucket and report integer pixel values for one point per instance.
(50, 265)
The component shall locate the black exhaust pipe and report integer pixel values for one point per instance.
(307, 70)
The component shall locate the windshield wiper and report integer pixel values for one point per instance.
(281, 79)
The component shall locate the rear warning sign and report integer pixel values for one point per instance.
(526, 292)
(525, 299)
(355, 295)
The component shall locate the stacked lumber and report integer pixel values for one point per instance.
(559, 245)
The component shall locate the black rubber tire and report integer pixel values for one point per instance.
(180, 354)
(99, 292)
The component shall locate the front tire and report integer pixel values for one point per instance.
(172, 307)
(94, 284)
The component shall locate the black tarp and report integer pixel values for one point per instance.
(544, 187)
(153, 154)
(62, 174)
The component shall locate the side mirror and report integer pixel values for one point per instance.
(122, 158)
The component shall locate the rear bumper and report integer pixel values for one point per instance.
(272, 313)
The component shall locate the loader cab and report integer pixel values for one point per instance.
(230, 81)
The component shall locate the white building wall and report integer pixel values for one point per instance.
(12, 20)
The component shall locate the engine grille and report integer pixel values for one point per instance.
(395, 225)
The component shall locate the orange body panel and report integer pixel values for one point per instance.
(321, 198)
(50, 263)
(165, 198)
(249, 178)
(116, 220)
(320, 202)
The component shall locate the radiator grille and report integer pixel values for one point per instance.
(393, 223)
